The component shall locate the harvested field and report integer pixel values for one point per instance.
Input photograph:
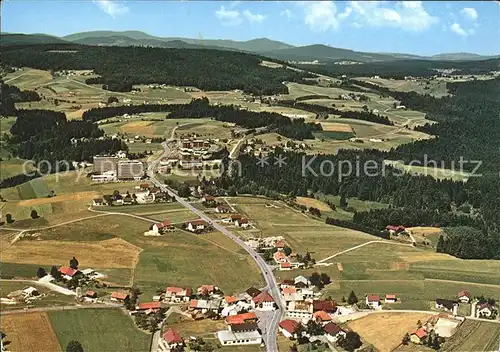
(113, 253)
(336, 127)
(144, 128)
(64, 198)
(30, 332)
(385, 330)
(315, 203)
(474, 336)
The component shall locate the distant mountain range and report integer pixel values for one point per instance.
(261, 46)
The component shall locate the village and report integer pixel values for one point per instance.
(310, 317)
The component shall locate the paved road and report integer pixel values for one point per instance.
(270, 335)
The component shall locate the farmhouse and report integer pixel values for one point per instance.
(177, 294)
(263, 301)
(464, 296)
(286, 283)
(395, 229)
(279, 257)
(119, 296)
(97, 202)
(447, 305)
(333, 332)
(417, 336)
(170, 340)
(288, 327)
(300, 309)
(196, 225)
(485, 310)
(207, 289)
(91, 294)
(148, 306)
(321, 316)
(30, 292)
(245, 327)
(222, 209)
(230, 300)
(390, 299)
(209, 199)
(324, 305)
(285, 266)
(164, 226)
(68, 273)
(243, 222)
(373, 301)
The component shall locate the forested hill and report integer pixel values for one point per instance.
(122, 67)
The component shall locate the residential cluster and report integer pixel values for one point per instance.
(142, 194)
(193, 153)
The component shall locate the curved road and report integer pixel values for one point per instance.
(270, 332)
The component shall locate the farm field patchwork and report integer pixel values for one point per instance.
(30, 332)
(474, 336)
(386, 330)
(300, 231)
(433, 87)
(99, 330)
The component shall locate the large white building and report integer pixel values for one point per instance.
(228, 338)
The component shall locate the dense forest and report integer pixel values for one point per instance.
(46, 135)
(122, 67)
(401, 68)
(199, 108)
(325, 110)
(469, 243)
(11, 95)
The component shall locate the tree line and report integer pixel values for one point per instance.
(120, 68)
(201, 108)
(12, 95)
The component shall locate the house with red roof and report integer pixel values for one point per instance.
(91, 294)
(207, 289)
(464, 296)
(395, 229)
(241, 318)
(235, 217)
(321, 316)
(243, 223)
(177, 294)
(327, 306)
(287, 283)
(279, 257)
(229, 300)
(170, 340)
(333, 332)
(148, 306)
(288, 327)
(196, 225)
(209, 199)
(119, 296)
(279, 244)
(390, 299)
(417, 336)
(373, 301)
(263, 301)
(164, 226)
(485, 310)
(69, 273)
(286, 266)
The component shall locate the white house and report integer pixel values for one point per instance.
(373, 301)
(170, 340)
(263, 301)
(30, 292)
(98, 202)
(196, 225)
(464, 296)
(484, 310)
(447, 305)
(230, 338)
(390, 298)
(302, 282)
(164, 226)
(333, 332)
(177, 294)
(288, 327)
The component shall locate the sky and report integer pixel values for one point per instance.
(416, 27)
